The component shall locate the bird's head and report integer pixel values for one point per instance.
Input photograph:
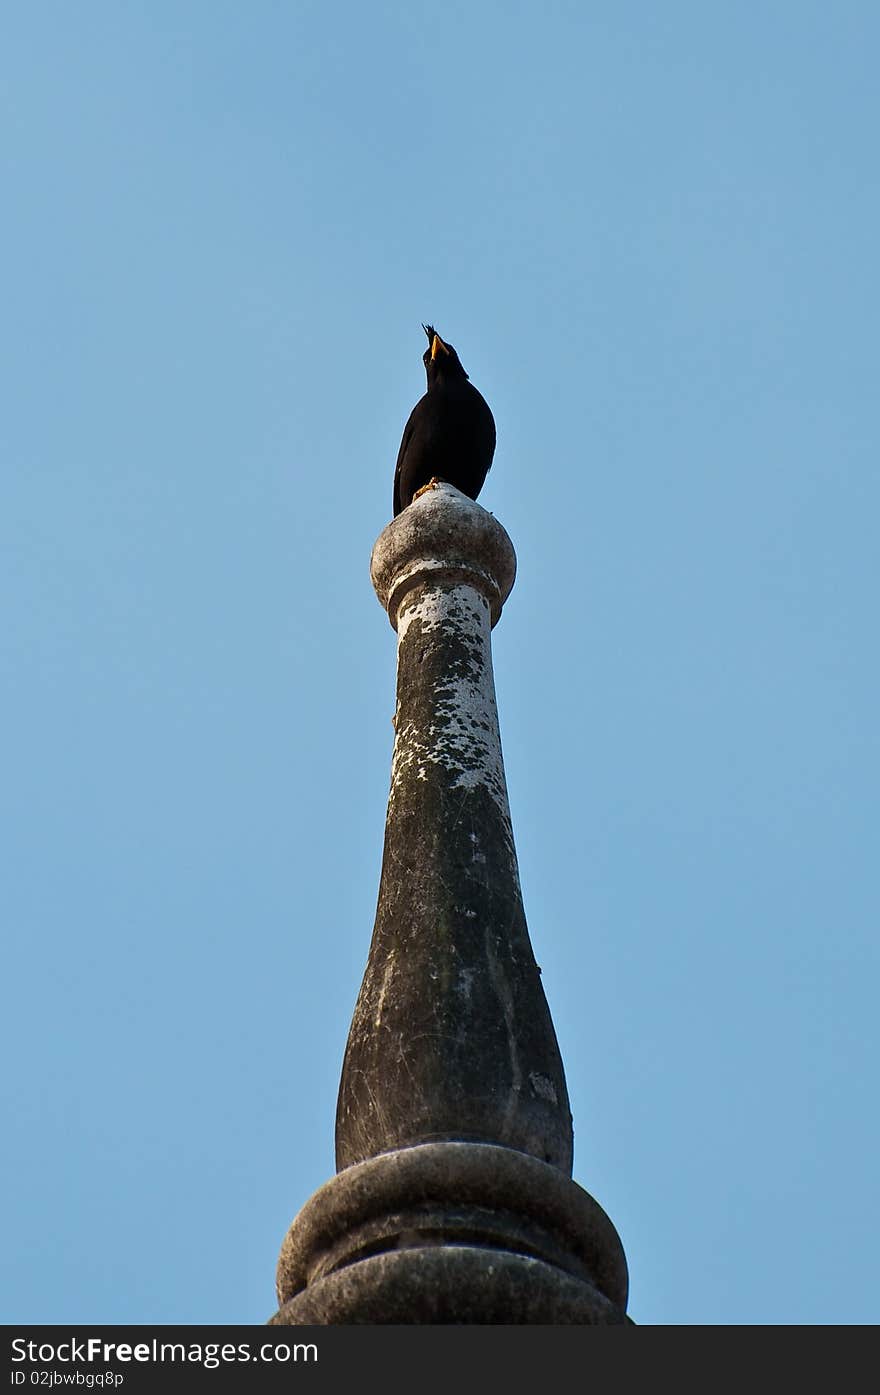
(440, 359)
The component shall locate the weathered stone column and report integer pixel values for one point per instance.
(453, 1201)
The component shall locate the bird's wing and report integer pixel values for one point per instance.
(407, 437)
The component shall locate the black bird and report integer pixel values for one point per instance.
(450, 434)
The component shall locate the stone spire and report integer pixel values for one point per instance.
(453, 1201)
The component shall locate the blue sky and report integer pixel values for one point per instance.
(651, 233)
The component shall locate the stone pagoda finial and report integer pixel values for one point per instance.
(453, 1202)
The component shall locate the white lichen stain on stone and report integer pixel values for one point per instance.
(465, 982)
(463, 736)
(543, 1087)
(383, 988)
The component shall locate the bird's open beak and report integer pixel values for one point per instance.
(436, 346)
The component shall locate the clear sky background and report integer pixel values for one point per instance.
(652, 233)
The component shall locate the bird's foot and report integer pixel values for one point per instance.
(432, 484)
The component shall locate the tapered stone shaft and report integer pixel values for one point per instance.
(451, 1037)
